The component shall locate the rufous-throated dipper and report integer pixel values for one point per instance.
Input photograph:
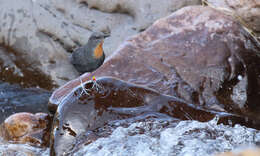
(90, 56)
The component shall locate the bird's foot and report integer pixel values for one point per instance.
(95, 85)
(84, 90)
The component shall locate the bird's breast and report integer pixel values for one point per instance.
(98, 51)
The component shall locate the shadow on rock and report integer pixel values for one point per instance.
(15, 69)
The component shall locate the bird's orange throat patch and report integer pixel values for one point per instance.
(98, 52)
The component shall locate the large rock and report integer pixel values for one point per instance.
(198, 54)
(36, 36)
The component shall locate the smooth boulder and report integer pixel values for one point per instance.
(198, 54)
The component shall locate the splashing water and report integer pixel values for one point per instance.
(185, 138)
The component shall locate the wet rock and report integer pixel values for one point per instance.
(37, 36)
(27, 128)
(198, 54)
(248, 10)
(80, 115)
(14, 99)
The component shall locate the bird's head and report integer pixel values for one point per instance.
(96, 41)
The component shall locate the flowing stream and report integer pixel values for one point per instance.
(154, 137)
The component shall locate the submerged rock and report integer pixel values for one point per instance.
(198, 54)
(27, 128)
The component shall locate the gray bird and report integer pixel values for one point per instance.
(90, 56)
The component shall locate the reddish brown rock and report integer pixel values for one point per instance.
(198, 54)
(26, 128)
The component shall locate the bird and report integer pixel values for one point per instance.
(90, 56)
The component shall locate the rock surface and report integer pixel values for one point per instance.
(197, 54)
(27, 128)
(37, 36)
(248, 10)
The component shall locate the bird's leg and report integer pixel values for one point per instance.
(84, 90)
(95, 84)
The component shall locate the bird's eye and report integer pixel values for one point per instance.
(96, 37)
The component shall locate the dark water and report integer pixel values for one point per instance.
(14, 98)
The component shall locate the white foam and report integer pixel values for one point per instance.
(188, 138)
